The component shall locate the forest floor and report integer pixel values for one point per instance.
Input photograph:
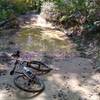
(72, 78)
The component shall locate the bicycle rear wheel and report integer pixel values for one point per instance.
(25, 84)
(39, 66)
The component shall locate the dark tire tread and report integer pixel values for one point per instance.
(45, 69)
(27, 90)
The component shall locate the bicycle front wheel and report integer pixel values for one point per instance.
(39, 66)
(25, 84)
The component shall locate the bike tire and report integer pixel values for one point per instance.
(40, 66)
(37, 81)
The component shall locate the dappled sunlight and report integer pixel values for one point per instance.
(44, 37)
(86, 91)
(76, 75)
(43, 23)
(39, 39)
(3, 95)
(96, 77)
(53, 34)
(21, 95)
(2, 66)
(57, 78)
(32, 37)
(76, 84)
(43, 96)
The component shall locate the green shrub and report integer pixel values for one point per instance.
(17, 7)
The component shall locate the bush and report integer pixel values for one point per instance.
(7, 7)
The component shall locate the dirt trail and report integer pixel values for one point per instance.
(73, 77)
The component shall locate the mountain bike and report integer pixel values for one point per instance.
(27, 81)
(39, 66)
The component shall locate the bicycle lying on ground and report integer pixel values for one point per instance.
(27, 79)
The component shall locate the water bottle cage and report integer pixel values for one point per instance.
(28, 73)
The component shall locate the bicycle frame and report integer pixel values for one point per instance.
(15, 66)
(26, 71)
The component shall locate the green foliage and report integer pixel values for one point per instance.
(4, 9)
(67, 8)
(7, 7)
